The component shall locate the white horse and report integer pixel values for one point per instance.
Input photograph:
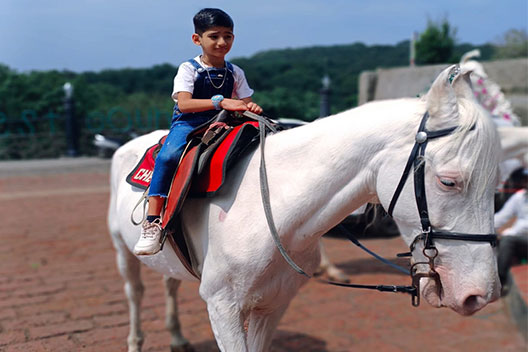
(318, 174)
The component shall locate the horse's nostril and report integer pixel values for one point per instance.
(473, 303)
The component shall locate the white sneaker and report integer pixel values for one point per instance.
(149, 242)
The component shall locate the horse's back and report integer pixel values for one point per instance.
(123, 200)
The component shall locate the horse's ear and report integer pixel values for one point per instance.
(441, 99)
(462, 84)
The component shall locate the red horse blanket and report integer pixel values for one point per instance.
(203, 169)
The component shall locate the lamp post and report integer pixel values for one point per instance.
(324, 107)
(72, 132)
(412, 49)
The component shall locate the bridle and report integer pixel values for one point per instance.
(429, 234)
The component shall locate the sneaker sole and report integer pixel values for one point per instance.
(146, 252)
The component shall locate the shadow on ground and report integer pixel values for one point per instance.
(284, 341)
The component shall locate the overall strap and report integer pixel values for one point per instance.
(199, 68)
(196, 65)
(230, 67)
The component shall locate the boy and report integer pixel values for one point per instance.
(202, 86)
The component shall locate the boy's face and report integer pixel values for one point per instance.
(215, 42)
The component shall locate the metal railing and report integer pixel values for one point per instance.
(30, 136)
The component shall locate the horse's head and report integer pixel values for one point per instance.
(459, 177)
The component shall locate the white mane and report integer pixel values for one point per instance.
(470, 144)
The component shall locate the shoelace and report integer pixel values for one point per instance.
(150, 229)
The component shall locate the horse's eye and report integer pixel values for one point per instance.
(448, 183)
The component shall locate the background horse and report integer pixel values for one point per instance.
(318, 174)
(514, 139)
(488, 93)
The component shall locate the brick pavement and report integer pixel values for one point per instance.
(60, 289)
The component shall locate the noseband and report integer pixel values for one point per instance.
(428, 234)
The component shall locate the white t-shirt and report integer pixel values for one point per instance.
(515, 206)
(187, 75)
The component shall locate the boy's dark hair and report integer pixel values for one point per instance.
(208, 18)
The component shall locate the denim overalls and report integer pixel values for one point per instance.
(183, 123)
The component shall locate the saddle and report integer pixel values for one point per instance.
(212, 149)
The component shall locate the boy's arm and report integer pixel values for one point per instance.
(186, 103)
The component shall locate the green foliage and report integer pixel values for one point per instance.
(514, 43)
(287, 83)
(436, 43)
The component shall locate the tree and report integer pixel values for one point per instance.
(436, 43)
(513, 44)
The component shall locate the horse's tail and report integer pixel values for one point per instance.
(112, 218)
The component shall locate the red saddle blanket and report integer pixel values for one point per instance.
(203, 168)
(141, 175)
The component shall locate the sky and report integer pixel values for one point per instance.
(92, 35)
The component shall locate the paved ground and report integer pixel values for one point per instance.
(60, 290)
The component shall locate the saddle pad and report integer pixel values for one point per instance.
(181, 182)
(141, 175)
(213, 175)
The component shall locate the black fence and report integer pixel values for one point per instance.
(53, 135)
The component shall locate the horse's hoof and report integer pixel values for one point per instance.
(320, 271)
(337, 275)
(182, 348)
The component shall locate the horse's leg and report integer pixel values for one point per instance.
(326, 266)
(129, 267)
(227, 322)
(178, 342)
(261, 328)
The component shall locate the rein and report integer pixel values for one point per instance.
(264, 190)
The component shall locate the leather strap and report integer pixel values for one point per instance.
(416, 158)
(382, 288)
(264, 192)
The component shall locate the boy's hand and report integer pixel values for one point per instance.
(239, 105)
(233, 105)
(254, 108)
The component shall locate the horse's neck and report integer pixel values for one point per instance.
(331, 164)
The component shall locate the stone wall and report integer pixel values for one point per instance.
(511, 75)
